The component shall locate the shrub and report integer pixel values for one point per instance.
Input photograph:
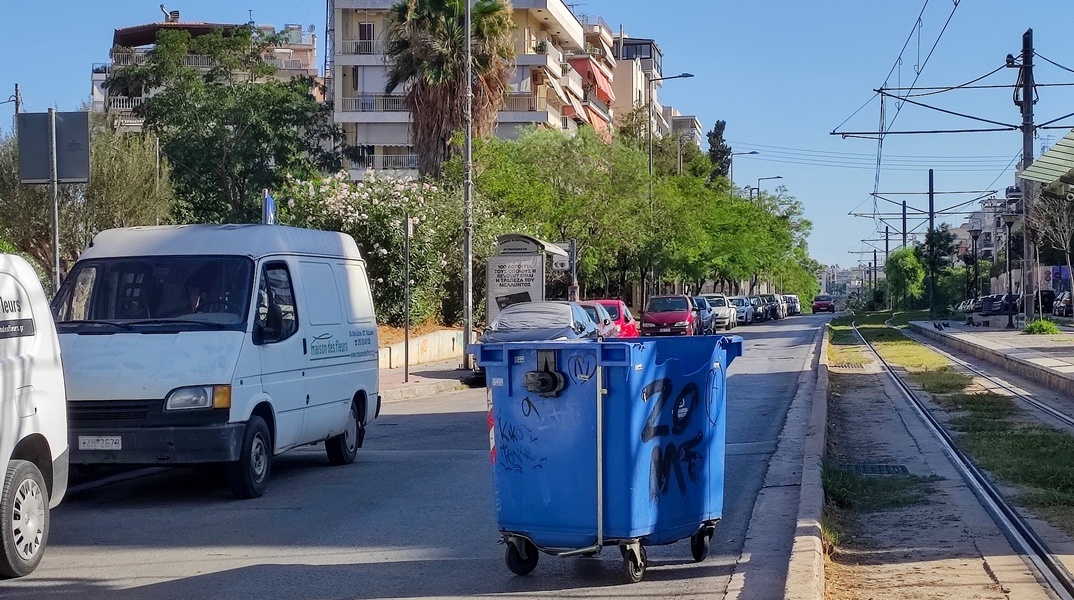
(1042, 327)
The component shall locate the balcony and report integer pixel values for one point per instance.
(572, 81)
(138, 57)
(362, 47)
(124, 104)
(374, 103)
(290, 65)
(395, 162)
(526, 108)
(599, 105)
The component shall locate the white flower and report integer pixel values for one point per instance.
(380, 280)
(383, 251)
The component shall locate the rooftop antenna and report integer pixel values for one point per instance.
(165, 11)
(251, 11)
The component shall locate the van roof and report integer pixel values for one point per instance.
(254, 241)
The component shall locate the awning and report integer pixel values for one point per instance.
(578, 110)
(1055, 164)
(553, 83)
(593, 74)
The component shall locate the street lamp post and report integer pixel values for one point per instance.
(975, 233)
(731, 167)
(1008, 221)
(758, 188)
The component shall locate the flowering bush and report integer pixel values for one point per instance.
(374, 213)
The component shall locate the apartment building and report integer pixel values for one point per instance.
(640, 61)
(297, 56)
(561, 80)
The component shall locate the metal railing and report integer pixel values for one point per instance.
(398, 162)
(366, 47)
(593, 99)
(594, 20)
(126, 59)
(287, 64)
(374, 103)
(524, 102)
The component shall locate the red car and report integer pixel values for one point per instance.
(823, 303)
(669, 315)
(621, 316)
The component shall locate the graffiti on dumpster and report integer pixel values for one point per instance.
(673, 449)
(517, 445)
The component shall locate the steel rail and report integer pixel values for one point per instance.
(1018, 532)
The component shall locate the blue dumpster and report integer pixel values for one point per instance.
(640, 464)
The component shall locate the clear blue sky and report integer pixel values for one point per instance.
(782, 73)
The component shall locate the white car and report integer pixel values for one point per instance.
(726, 315)
(744, 308)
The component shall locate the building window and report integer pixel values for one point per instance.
(365, 38)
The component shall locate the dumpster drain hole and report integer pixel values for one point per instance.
(867, 469)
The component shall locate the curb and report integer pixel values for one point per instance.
(1012, 364)
(420, 390)
(805, 571)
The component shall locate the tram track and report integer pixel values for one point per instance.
(1017, 530)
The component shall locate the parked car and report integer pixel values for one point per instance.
(669, 315)
(760, 309)
(794, 305)
(726, 315)
(1043, 301)
(620, 313)
(776, 308)
(197, 344)
(606, 327)
(552, 320)
(706, 316)
(743, 309)
(33, 439)
(1062, 307)
(823, 303)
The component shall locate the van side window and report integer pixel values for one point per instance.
(321, 295)
(354, 279)
(276, 303)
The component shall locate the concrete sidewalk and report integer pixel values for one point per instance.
(1045, 359)
(429, 379)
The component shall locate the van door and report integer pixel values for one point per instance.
(282, 352)
(330, 378)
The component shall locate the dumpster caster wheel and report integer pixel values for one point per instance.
(699, 545)
(515, 561)
(634, 563)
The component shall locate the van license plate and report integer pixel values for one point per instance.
(100, 443)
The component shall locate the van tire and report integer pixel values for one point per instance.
(248, 476)
(342, 448)
(25, 519)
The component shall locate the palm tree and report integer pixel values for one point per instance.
(426, 53)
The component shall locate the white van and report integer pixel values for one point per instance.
(218, 344)
(33, 424)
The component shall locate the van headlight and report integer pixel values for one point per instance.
(682, 324)
(199, 396)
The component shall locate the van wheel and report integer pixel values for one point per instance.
(343, 448)
(248, 476)
(25, 519)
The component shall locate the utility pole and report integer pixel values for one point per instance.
(1028, 283)
(468, 204)
(932, 248)
(904, 223)
(875, 265)
(887, 247)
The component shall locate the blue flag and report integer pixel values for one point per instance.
(268, 210)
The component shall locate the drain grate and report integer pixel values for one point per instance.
(877, 469)
(846, 366)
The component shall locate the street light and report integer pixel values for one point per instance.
(649, 101)
(975, 233)
(758, 188)
(1008, 221)
(731, 167)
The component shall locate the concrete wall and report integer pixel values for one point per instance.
(433, 347)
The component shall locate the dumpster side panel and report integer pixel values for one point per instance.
(665, 437)
(544, 451)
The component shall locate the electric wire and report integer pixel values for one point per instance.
(1046, 59)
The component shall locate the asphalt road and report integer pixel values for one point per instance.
(413, 517)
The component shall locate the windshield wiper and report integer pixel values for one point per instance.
(176, 321)
(116, 324)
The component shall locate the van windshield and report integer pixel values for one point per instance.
(156, 293)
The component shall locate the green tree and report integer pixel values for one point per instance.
(905, 275)
(426, 53)
(719, 152)
(233, 130)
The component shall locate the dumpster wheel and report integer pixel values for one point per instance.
(634, 561)
(521, 556)
(699, 545)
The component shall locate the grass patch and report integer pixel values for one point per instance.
(944, 380)
(845, 489)
(843, 346)
(896, 348)
(1042, 327)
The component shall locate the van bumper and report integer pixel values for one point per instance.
(162, 445)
